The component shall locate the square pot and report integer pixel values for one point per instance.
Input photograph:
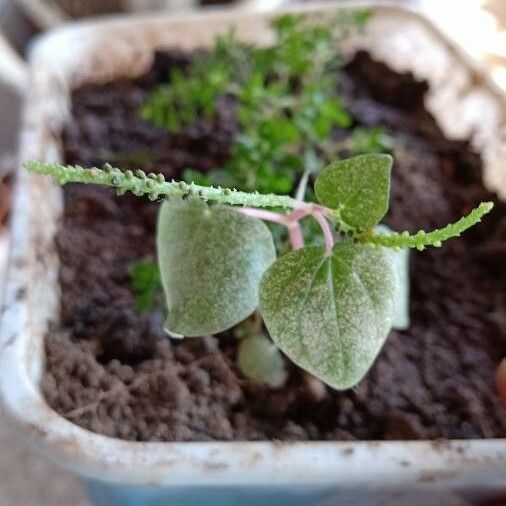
(466, 104)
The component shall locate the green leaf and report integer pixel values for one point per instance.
(259, 360)
(211, 261)
(330, 314)
(145, 279)
(358, 188)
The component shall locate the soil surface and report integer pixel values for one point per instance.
(114, 371)
(5, 200)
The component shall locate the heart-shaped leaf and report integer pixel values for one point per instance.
(211, 261)
(330, 314)
(358, 187)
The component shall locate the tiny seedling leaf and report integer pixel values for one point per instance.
(331, 313)
(260, 360)
(211, 260)
(145, 280)
(358, 188)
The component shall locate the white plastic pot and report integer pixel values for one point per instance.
(466, 105)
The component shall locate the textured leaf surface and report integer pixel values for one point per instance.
(330, 314)
(211, 261)
(358, 187)
(260, 360)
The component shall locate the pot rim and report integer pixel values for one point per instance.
(31, 299)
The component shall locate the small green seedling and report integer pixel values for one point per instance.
(329, 308)
(145, 278)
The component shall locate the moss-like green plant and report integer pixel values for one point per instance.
(287, 100)
(329, 308)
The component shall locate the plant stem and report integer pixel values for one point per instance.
(301, 188)
(327, 231)
(294, 229)
(263, 215)
(291, 221)
(295, 235)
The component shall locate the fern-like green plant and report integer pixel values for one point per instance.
(287, 100)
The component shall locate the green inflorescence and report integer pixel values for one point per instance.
(155, 187)
(422, 239)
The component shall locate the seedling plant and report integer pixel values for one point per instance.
(330, 297)
(328, 308)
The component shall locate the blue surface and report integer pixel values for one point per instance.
(105, 494)
(392, 493)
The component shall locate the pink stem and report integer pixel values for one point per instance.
(327, 231)
(262, 214)
(297, 214)
(291, 221)
(295, 235)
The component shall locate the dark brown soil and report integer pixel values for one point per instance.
(5, 200)
(115, 372)
(77, 9)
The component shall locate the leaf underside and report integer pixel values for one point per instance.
(330, 314)
(211, 261)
